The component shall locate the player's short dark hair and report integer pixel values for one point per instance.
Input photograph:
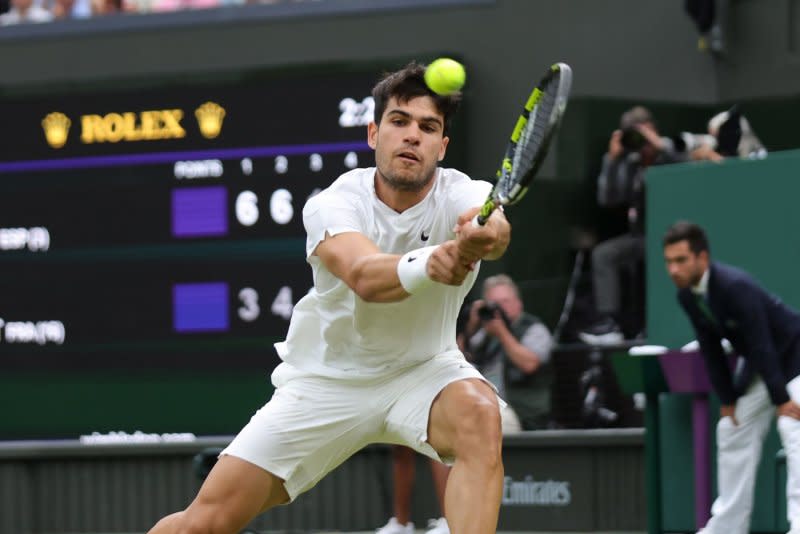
(408, 83)
(690, 232)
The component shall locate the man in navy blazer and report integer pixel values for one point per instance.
(725, 302)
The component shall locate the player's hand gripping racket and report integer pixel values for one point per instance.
(530, 139)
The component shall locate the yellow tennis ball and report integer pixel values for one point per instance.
(445, 76)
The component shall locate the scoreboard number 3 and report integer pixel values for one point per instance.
(282, 306)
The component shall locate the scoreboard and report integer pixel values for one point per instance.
(152, 245)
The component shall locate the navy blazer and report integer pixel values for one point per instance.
(761, 328)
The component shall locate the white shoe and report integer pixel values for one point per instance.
(438, 526)
(604, 332)
(609, 338)
(394, 527)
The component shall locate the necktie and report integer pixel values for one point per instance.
(703, 305)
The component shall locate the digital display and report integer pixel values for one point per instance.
(156, 227)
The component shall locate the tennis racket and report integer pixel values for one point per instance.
(530, 139)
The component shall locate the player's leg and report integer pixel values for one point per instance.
(439, 473)
(445, 409)
(465, 424)
(738, 454)
(234, 493)
(308, 428)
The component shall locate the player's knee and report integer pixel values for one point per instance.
(479, 430)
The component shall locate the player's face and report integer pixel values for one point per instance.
(684, 266)
(409, 143)
(507, 299)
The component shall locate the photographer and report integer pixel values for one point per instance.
(511, 348)
(634, 147)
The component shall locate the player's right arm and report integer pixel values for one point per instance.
(487, 242)
(373, 275)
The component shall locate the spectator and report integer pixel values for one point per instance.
(71, 9)
(634, 147)
(105, 7)
(25, 11)
(511, 348)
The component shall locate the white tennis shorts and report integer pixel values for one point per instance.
(312, 424)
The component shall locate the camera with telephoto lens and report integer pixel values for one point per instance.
(632, 139)
(490, 310)
(487, 311)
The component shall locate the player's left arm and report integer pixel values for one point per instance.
(487, 242)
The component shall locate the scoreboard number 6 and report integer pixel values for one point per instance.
(280, 207)
(247, 208)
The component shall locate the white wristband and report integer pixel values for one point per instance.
(412, 269)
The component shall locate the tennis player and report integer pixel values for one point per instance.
(371, 354)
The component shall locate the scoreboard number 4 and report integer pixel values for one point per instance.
(250, 310)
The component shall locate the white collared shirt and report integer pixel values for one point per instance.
(335, 333)
(702, 286)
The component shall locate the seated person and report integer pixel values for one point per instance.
(634, 147)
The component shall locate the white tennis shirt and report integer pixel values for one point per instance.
(335, 333)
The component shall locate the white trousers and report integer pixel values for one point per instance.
(739, 453)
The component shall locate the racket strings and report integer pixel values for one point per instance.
(531, 137)
(534, 133)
